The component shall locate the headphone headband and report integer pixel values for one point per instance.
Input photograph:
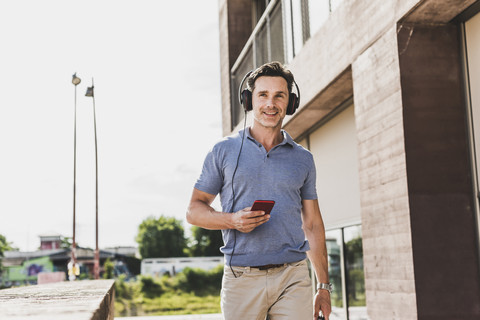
(245, 97)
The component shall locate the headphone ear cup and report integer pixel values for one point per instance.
(292, 104)
(247, 100)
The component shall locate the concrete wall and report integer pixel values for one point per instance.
(89, 300)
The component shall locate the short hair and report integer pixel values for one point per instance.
(271, 69)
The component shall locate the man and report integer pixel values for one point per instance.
(266, 273)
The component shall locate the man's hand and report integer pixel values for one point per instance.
(245, 220)
(322, 302)
(201, 214)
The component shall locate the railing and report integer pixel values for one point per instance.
(278, 36)
(265, 44)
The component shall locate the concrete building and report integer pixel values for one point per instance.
(390, 109)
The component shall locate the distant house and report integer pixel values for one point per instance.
(50, 241)
(24, 267)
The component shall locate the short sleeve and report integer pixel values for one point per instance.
(211, 178)
(309, 189)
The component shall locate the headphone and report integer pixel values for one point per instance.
(245, 97)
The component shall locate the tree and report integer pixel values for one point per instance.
(109, 267)
(355, 276)
(4, 246)
(205, 242)
(66, 243)
(160, 238)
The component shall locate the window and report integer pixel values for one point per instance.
(345, 269)
(306, 17)
(259, 7)
(355, 280)
(318, 11)
(336, 272)
(471, 29)
(334, 149)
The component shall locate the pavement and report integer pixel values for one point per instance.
(212, 316)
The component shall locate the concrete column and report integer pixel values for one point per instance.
(387, 244)
(418, 219)
(440, 193)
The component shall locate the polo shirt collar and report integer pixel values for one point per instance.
(286, 138)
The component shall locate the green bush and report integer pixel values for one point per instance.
(191, 291)
(199, 281)
(121, 289)
(109, 267)
(216, 275)
(150, 288)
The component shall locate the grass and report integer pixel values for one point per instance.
(148, 296)
(185, 303)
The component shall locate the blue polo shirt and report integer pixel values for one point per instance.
(285, 174)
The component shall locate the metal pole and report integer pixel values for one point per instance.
(74, 174)
(97, 252)
(72, 269)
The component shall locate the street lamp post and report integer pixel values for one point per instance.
(96, 266)
(76, 81)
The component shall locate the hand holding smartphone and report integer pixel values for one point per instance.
(263, 205)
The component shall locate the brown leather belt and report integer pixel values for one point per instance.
(269, 266)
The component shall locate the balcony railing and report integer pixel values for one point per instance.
(265, 44)
(278, 36)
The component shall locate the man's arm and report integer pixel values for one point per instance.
(201, 214)
(315, 233)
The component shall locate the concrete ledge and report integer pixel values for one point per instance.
(89, 300)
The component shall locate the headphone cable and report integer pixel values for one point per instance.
(233, 193)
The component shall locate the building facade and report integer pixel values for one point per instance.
(390, 109)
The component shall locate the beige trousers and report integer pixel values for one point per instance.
(283, 293)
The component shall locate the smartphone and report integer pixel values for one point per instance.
(263, 205)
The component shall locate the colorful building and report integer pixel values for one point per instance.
(24, 267)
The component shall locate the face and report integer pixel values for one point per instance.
(269, 101)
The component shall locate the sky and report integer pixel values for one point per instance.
(156, 70)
